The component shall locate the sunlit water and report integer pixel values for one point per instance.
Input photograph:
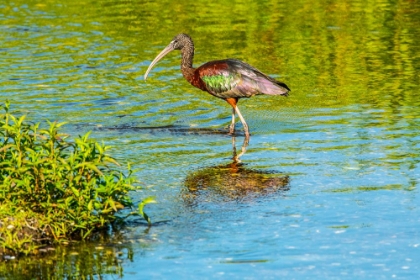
(328, 186)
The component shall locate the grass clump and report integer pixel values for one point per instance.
(53, 190)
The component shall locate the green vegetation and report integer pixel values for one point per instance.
(53, 190)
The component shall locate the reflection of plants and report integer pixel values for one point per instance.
(82, 261)
(51, 189)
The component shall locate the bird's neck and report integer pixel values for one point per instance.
(187, 53)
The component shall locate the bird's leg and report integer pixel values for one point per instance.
(243, 122)
(232, 125)
(233, 102)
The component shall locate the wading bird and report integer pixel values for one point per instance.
(228, 79)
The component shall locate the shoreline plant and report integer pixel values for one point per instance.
(53, 190)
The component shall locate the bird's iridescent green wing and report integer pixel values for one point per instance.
(220, 82)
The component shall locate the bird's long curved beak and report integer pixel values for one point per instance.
(165, 51)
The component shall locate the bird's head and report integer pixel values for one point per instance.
(180, 40)
(177, 43)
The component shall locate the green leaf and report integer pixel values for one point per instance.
(90, 205)
(60, 124)
(90, 166)
(21, 119)
(141, 212)
(110, 159)
(75, 191)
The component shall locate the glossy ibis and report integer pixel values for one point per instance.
(228, 79)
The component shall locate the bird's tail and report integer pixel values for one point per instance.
(270, 86)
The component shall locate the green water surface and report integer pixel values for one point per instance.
(328, 185)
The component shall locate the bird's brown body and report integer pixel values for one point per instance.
(228, 79)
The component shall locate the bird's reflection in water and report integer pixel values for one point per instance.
(233, 181)
(236, 156)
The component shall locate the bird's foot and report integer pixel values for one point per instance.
(231, 129)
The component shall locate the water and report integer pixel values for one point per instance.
(328, 185)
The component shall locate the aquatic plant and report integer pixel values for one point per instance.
(53, 190)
